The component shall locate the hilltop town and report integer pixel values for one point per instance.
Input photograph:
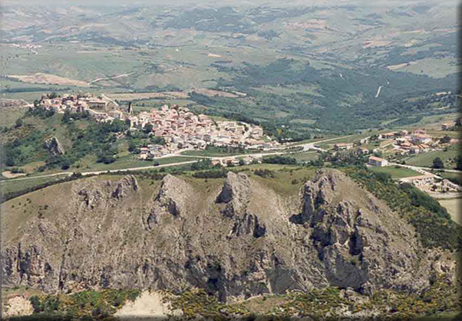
(179, 128)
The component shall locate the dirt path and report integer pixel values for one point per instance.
(9, 174)
(109, 78)
(378, 92)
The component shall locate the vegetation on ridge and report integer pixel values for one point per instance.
(432, 222)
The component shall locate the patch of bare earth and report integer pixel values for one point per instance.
(162, 95)
(406, 64)
(40, 78)
(147, 305)
(13, 103)
(375, 43)
(9, 174)
(17, 306)
(264, 304)
(214, 93)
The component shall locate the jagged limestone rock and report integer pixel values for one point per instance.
(236, 194)
(173, 199)
(113, 233)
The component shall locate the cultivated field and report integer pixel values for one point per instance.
(40, 78)
(141, 96)
(395, 172)
(426, 159)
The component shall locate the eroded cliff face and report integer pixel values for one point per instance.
(237, 240)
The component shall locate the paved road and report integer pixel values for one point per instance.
(426, 169)
(306, 147)
(310, 146)
(232, 156)
(441, 196)
(34, 177)
(414, 168)
(101, 172)
(443, 169)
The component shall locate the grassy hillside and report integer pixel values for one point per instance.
(88, 145)
(426, 159)
(395, 172)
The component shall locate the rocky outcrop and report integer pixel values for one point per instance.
(357, 238)
(236, 194)
(124, 187)
(173, 199)
(54, 146)
(92, 194)
(246, 241)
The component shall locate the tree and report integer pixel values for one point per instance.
(66, 116)
(158, 140)
(241, 162)
(131, 146)
(18, 123)
(148, 128)
(459, 162)
(438, 163)
(118, 126)
(446, 139)
(36, 304)
(65, 164)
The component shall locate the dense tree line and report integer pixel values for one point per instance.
(265, 173)
(284, 160)
(216, 173)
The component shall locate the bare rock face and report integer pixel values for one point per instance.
(173, 199)
(245, 242)
(125, 186)
(359, 241)
(54, 146)
(173, 195)
(94, 195)
(236, 194)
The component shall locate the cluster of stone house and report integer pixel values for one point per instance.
(235, 161)
(178, 126)
(97, 106)
(415, 142)
(431, 183)
(181, 129)
(447, 125)
(348, 146)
